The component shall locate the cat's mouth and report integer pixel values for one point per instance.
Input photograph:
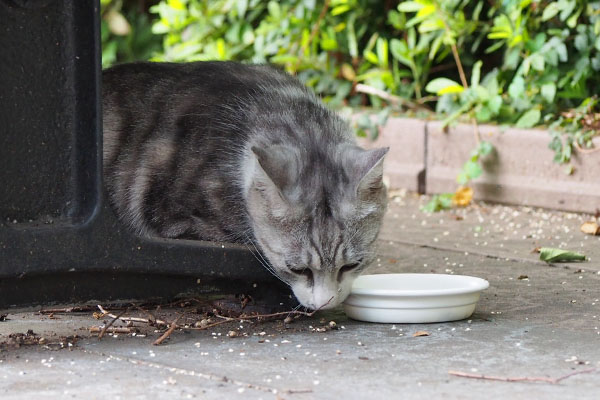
(321, 298)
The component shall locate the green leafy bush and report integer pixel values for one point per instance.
(517, 62)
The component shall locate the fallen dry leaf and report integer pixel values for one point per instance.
(420, 333)
(590, 228)
(463, 196)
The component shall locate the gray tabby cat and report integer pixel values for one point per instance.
(222, 151)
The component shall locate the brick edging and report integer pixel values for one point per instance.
(425, 158)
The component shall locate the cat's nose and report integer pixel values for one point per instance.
(324, 302)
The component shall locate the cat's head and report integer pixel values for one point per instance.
(316, 215)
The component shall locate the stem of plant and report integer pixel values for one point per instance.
(463, 78)
(461, 71)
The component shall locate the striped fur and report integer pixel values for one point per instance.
(222, 151)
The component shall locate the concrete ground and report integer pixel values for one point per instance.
(535, 320)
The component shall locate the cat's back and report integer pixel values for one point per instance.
(177, 138)
(210, 78)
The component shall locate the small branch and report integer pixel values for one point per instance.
(134, 319)
(584, 371)
(65, 310)
(168, 332)
(152, 320)
(258, 317)
(425, 99)
(314, 31)
(441, 67)
(315, 28)
(362, 88)
(520, 378)
(461, 71)
(202, 328)
(112, 329)
(110, 323)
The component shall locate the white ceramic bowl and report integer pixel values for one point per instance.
(413, 298)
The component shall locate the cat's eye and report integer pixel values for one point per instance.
(349, 267)
(306, 272)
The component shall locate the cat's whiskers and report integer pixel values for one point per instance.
(262, 260)
(294, 310)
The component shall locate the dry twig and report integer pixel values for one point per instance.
(111, 322)
(173, 325)
(168, 332)
(362, 88)
(65, 310)
(134, 319)
(112, 329)
(520, 378)
(258, 317)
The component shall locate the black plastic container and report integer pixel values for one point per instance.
(59, 242)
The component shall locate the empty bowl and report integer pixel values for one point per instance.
(413, 298)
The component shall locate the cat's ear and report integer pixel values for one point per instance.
(277, 162)
(366, 168)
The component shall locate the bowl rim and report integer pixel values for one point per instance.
(479, 285)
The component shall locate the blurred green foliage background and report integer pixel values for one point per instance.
(517, 62)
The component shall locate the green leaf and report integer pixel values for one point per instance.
(567, 8)
(572, 21)
(495, 103)
(442, 86)
(435, 46)
(485, 148)
(549, 254)
(483, 114)
(352, 45)
(550, 11)
(462, 178)
(400, 51)
(426, 11)
(431, 24)
(581, 42)
(382, 52)
(549, 91)
(516, 89)
(340, 9)
(537, 62)
(410, 6)
(529, 119)
(242, 6)
(371, 57)
(498, 35)
(274, 9)
(438, 202)
(476, 73)
(472, 170)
